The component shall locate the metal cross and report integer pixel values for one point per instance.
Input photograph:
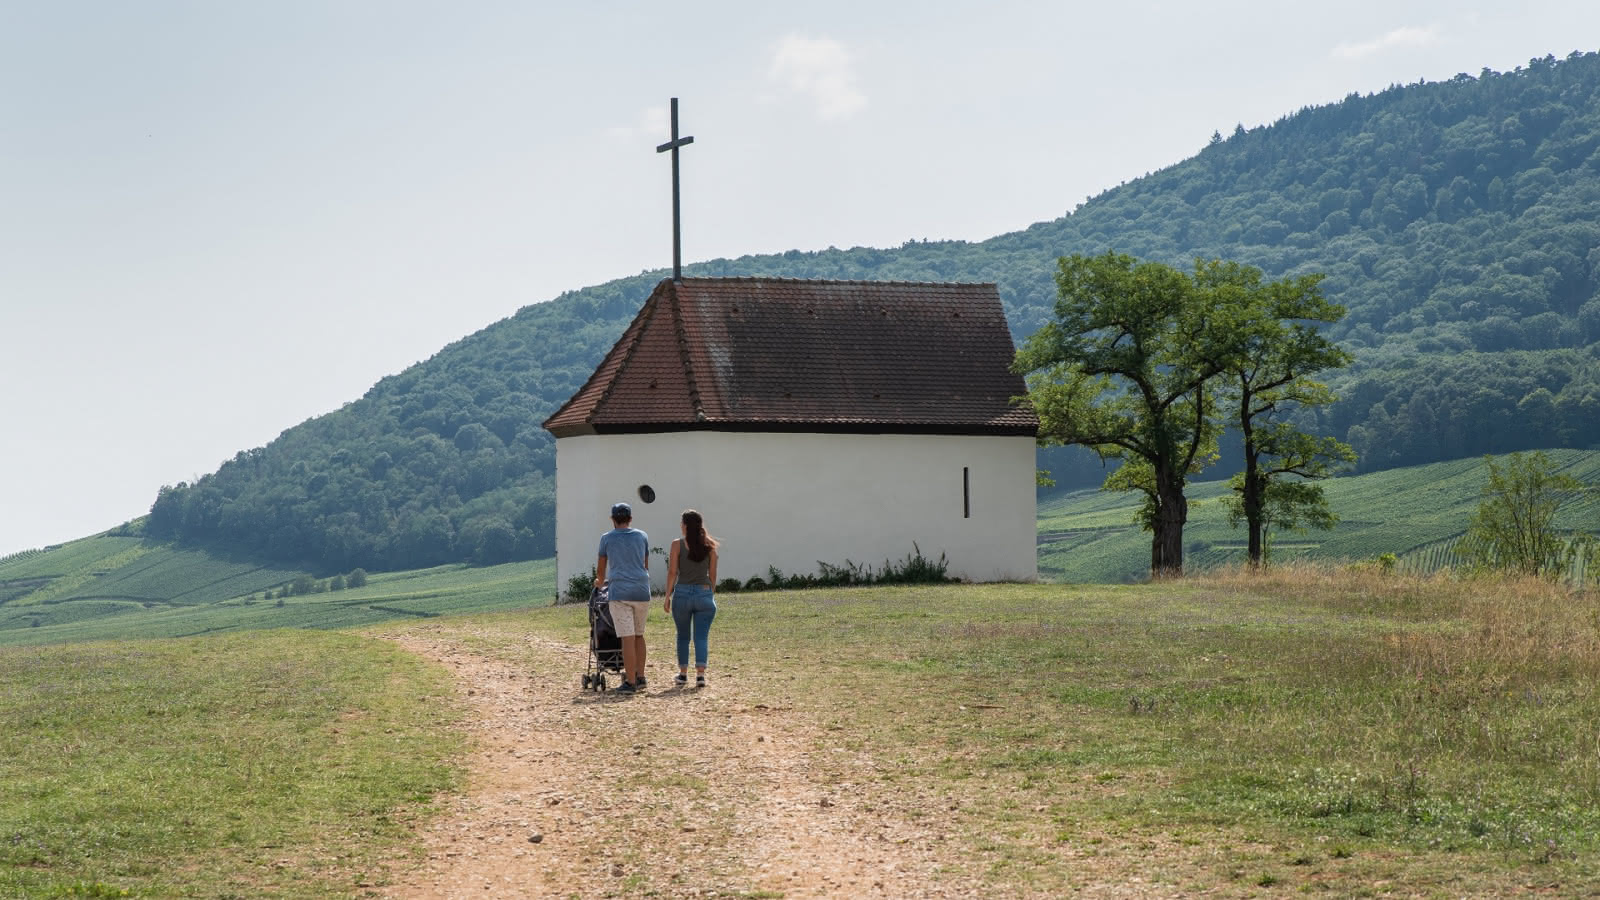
(673, 145)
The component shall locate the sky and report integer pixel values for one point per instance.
(218, 220)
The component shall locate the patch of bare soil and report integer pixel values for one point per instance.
(677, 792)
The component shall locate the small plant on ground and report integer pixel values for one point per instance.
(579, 587)
(914, 569)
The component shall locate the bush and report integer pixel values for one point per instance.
(579, 587)
(729, 586)
(356, 578)
(914, 569)
(829, 575)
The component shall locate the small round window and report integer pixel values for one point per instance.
(647, 493)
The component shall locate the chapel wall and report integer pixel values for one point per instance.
(790, 500)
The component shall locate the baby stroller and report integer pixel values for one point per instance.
(605, 648)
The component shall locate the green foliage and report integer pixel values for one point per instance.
(1456, 221)
(1286, 505)
(1269, 379)
(915, 568)
(1125, 368)
(356, 578)
(1514, 527)
(1141, 362)
(580, 586)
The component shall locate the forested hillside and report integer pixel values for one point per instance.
(1458, 221)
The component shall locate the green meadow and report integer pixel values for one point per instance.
(65, 594)
(1317, 729)
(274, 763)
(1415, 513)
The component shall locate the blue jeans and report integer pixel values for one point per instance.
(693, 608)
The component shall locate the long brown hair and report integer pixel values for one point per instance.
(700, 542)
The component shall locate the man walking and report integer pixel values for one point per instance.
(625, 565)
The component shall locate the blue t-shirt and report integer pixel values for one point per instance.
(627, 551)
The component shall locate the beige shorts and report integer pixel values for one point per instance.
(628, 617)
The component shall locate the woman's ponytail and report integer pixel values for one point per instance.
(694, 533)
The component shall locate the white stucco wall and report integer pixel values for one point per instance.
(789, 500)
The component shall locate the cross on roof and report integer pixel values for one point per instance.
(673, 145)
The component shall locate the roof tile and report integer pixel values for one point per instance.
(790, 354)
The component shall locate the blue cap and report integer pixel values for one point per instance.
(621, 511)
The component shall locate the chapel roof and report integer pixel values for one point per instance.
(782, 354)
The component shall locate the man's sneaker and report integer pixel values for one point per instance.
(680, 679)
(640, 683)
(699, 681)
(627, 688)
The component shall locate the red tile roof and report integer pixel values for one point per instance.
(778, 354)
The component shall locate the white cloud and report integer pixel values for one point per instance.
(1405, 36)
(821, 70)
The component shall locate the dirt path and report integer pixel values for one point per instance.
(677, 792)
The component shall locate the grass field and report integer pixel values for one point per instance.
(420, 593)
(1320, 730)
(1323, 731)
(274, 763)
(1414, 513)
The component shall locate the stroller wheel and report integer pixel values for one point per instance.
(601, 680)
(586, 682)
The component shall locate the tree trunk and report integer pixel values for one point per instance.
(1253, 497)
(1252, 500)
(1172, 511)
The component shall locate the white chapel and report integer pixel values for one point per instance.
(810, 421)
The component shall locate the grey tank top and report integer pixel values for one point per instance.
(691, 572)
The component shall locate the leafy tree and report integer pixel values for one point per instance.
(1513, 528)
(1286, 505)
(1269, 376)
(1126, 369)
(356, 578)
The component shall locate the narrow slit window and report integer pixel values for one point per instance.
(966, 494)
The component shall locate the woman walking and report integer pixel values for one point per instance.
(691, 571)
